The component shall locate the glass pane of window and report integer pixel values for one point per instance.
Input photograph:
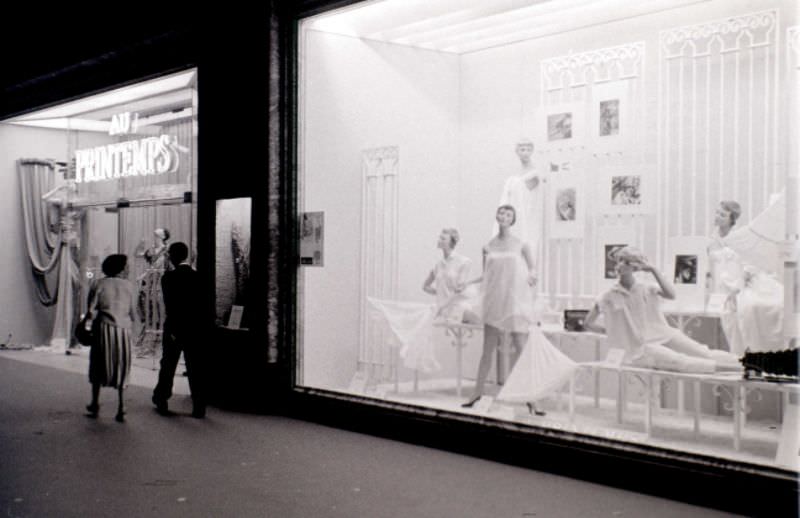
(565, 214)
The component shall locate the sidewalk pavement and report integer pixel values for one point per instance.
(54, 461)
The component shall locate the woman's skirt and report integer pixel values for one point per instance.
(110, 356)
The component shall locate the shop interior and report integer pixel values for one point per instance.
(605, 125)
(114, 172)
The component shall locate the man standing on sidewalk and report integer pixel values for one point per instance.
(181, 301)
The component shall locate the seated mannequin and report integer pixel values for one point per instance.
(634, 322)
(752, 314)
(446, 277)
(411, 323)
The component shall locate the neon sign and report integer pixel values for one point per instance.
(144, 157)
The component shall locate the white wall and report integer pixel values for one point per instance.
(501, 89)
(361, 95)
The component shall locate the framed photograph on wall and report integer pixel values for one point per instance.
(624, 190)
(609, 117)
(561, 127)
(566, 208)
(686, 265)
(610, 239)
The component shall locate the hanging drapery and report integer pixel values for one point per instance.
(50, 236)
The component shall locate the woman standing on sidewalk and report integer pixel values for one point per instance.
(111, 315)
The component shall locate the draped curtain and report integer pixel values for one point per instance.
(50, 239)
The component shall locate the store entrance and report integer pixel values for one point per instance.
(143, 232)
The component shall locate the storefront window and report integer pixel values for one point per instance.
(560, 214)
(111, 173)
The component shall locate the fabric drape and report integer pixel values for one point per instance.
(50, 235)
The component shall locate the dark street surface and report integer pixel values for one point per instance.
(56, 462)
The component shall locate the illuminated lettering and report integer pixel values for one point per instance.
(149, 156)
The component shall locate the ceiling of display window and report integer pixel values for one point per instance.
(462, 26)
(157, 101)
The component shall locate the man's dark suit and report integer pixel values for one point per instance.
(181, 301)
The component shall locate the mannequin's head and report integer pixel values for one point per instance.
(162, 234)
(727, 213)
(506, 215)
(448, 238)
(524, 149)
(628, 259)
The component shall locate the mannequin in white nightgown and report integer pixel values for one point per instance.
(743, 264)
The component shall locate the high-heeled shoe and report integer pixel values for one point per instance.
(92, 410)
(535, 411)
(471, 402)
(120, 417)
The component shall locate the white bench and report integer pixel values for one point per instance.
(738, 386)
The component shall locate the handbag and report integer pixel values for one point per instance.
(84, 336)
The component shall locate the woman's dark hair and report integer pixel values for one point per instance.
(114, 264)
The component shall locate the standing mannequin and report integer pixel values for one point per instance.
(524, 192)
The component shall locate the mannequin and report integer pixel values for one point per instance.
(524, 192)
(151, 303)
(752, 314)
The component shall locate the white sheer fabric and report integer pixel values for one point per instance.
(540, 370)
(411, 326)
(507, 298)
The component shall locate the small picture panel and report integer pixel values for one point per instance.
(609, 118)
(565, 204)
(685, 269)
(312, 238)
(559, 166)
(626, 190)
(611, 260)
(687, 261)
(559, 126)
(565, 214)
(575, 319)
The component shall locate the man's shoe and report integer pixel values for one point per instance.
(161, 406)
(199, 413)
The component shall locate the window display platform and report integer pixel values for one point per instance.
(669, 428)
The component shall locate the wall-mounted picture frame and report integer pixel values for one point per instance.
(624, 190)
(561, 127)
(312, 239)
(566, 207)
(232, 261)
(610, 239)
(609, 117)
(687, 266)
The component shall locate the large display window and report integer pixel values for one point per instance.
(111, 173)
(565, 215)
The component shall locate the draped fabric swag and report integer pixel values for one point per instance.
(51, 240)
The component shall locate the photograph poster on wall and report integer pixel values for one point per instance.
(611, 239)
(561, 126)
(687, 264)
(609, 116)
(624, 190)
(565, 206)
(312, 239)
(232, 261)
